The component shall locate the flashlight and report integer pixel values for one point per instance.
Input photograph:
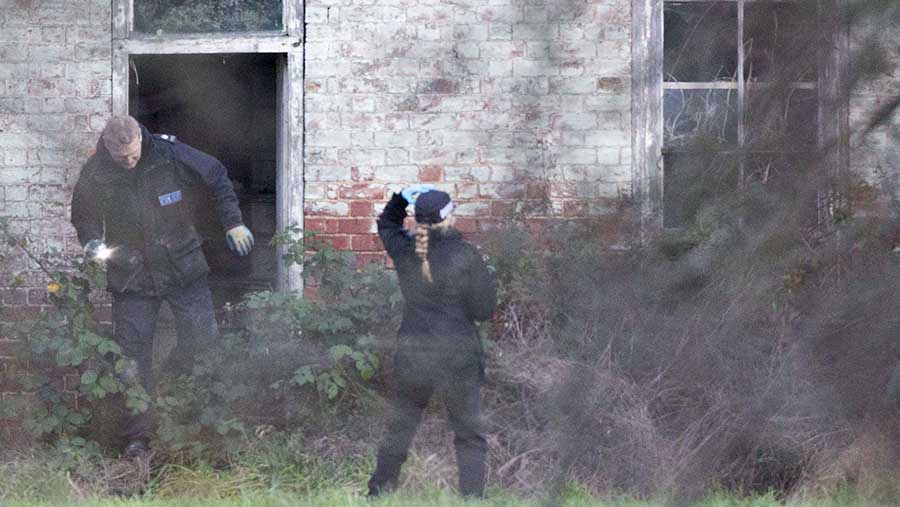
(103, 253)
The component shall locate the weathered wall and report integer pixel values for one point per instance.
(876, 156)
(54, 98)
(516, 107)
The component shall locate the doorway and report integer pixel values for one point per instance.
(227, 106)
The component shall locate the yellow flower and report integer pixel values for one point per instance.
(53, 287)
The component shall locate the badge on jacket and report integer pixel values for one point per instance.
(170, 198)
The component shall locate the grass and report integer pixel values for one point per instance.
(291, 473)
(433, 498)
(204, 487)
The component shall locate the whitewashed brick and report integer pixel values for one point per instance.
(608, 155)
(329, 138)
(329, 208)
(330, 173)
(397, 173)
(473, 209)
(396, 138)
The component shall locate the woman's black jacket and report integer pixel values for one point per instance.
(438, 315)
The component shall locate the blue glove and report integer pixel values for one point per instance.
(412, 192)
(240, 238)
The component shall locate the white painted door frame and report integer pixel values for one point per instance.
(289, 156)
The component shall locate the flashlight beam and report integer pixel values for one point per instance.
(104, 253)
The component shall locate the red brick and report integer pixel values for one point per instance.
(321, 225)
(503, 208)
(361, 208)
(356, 226)
(103, 314)
(537, 190)
(311, 292)
(361, 175)
(564, 189)
(466, 224)
(574, 208)
(314, 224)
(361, 191)
(339, 242)
(16, 313)
(312, 86)
(431, 173)
(366, 243)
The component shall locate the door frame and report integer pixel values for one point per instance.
(290, 113)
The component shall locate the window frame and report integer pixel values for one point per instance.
(649, 85)
(289, 42)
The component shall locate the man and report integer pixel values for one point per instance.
(132, 205)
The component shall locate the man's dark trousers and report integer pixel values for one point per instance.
(134, 324)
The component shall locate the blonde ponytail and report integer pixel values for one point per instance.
(422, 231)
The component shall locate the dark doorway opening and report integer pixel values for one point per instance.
(224, 105)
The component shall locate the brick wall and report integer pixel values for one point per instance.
(54, 98)
(514, 107)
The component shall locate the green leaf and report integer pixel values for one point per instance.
(340, 351)
(77, 419)
(366, 373)
(303, 376)
(110, 384)
(90, 339)
(88, 378)
(108, 346)
(137, 400)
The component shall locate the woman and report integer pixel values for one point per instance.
(446, 287)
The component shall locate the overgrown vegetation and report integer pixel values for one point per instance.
(753, 350)
(66, 338)
(290, 361)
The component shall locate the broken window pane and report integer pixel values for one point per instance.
(781, 119)
(188, 16)
(780, 41)
(773, 169)
(700, 41)
(778, 179)
(699, 117)
(694, 181)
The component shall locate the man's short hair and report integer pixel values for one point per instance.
(119, 132)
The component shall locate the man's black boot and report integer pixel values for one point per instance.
(136, 449)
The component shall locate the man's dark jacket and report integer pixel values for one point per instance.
(146, 213)
(439, 316)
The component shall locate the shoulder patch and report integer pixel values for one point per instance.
(165, 137)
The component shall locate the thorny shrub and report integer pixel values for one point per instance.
(283, 360)
(286, 361)
(65, 338)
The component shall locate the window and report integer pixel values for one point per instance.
(188, 16)
(727, 92)
(227, 51)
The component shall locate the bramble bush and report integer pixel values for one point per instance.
(65, 338)
(289, 361)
